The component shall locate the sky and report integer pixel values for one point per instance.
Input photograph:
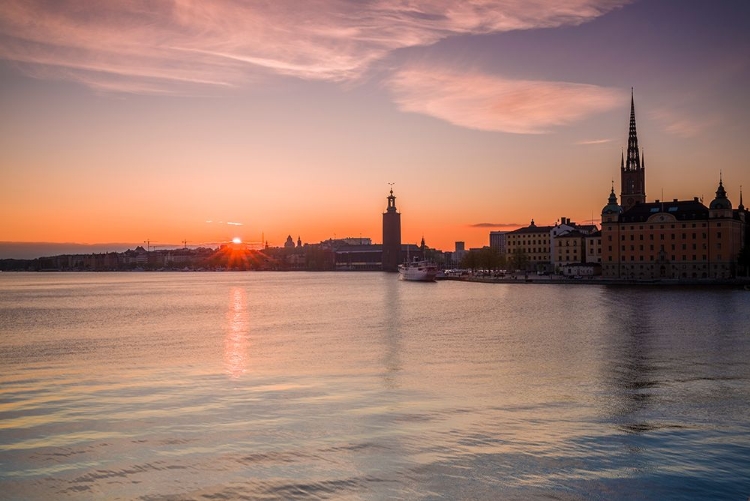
(184, 120)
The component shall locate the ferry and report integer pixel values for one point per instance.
(418, 271)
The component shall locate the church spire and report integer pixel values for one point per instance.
(634, 160)
(632, 172)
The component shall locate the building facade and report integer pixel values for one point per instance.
(528, 248)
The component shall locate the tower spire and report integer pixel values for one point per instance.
(634, 160)
(632, 172)
(741, 206)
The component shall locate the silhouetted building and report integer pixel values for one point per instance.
(391, 236)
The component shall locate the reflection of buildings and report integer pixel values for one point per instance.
(667, 239)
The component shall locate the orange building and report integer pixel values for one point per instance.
(681, 239)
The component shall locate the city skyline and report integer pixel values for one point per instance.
(206, 123)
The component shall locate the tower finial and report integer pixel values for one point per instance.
(741, 206)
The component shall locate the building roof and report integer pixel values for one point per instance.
(571, 234)
(682, 210)
(531, 229)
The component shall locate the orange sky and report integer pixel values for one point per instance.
(122, 124)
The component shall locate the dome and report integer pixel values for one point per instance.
(721, 201)
(612, 207)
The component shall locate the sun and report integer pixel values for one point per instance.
(236, 240)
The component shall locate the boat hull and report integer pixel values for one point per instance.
(418, 272)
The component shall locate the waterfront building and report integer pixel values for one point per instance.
(569, 248)
(594, 248)
(391, 236)
(529, 247)
(679, 239)
(499, 241)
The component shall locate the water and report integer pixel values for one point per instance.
(359, 386)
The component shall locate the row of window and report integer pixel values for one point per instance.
(651, 258)
(662, 226)
(661, 236)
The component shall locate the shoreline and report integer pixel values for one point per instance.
(672, 282)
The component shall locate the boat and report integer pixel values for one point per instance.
(418, 271)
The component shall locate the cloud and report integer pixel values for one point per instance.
(231, 223)
(495, 225)
(485, 102)
(680, 124)
(181, 46)
(594, 141)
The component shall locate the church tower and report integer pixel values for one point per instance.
(391, 236)
(632, 170)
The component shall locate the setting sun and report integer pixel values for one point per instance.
(236, 240)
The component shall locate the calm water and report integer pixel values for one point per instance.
(359, 386)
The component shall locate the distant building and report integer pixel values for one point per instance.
(391, 236)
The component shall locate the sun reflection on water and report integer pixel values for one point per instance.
(236, 342)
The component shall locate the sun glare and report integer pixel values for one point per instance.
(236, 240)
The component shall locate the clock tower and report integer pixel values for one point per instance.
(632, 169)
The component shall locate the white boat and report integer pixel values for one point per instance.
(418, 271)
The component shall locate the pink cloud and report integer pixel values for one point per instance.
(174, 46)
(484, 102)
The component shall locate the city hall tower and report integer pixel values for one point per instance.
(391, 236)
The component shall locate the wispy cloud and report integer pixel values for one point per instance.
(594, 141)
(484, 102)
(174, 46)
(232, 223)
(495, 225)
(681, 124)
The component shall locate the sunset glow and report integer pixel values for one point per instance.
(194, 121)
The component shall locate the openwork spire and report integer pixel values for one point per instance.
(634, 160)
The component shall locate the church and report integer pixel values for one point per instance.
(677, 239)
